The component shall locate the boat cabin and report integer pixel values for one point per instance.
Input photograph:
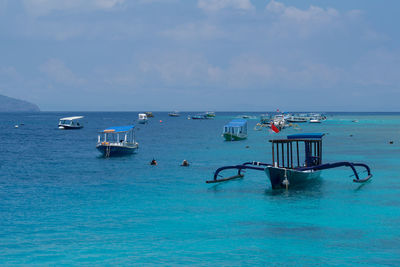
(297, 151)
(70, 123)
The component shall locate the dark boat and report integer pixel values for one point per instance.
(117, 141)
(289, 167)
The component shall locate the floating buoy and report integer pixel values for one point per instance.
(160, 121)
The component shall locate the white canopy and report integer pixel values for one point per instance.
(71, 118)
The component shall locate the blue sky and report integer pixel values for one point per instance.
(326, 55)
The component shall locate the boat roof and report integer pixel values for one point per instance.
(236, 123)
(119, 129)
(306, 136)
(72, 118)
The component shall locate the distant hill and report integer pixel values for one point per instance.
(9, 104)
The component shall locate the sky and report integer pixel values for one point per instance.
(216, 55)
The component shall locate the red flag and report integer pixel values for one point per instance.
(274, 128)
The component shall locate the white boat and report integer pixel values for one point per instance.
(117, 141)
(142, 118)
(315, 120)
(279, 121)
(70, 123)
(297, 119)
(174, 114)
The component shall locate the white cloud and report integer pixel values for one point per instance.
(215, 5)
(293, 21)
(197, 30)
(57, 71)
(44, 7)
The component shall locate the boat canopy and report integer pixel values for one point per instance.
(119, 129)
(71, 118)
(236, 123)
(306, 136)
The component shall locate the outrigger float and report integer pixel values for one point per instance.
(289, 168)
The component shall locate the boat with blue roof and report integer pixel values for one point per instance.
(235, 130)
(296, 160)
(117, 141)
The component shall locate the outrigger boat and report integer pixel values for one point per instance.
(70, 123)
(288, 167)
(117, 141)
(235, 130)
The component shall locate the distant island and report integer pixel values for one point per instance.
(9, 104)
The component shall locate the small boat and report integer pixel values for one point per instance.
(209, 115)
(296, 160)
(142, 118)
(315, 120)
(235, 130)
(279, 121)
(117, 141)
(149, 114)
(198, 117)
(297, 119)
(174, 114)
(70, 123)
(265, 119)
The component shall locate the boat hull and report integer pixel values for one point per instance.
(234, 137)
(277, 176)
(68, 127)
(114, 150)
(142, 121)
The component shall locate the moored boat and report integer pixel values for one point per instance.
(70, 123)
(198, 117)
(297, 119)
(115, 141)
(235, 130)
(142, 118)
(174, 114)
(296, 160)
(209, 115)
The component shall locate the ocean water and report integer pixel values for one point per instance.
(61, 203)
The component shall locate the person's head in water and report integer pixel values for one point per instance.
(185, 163)
(153, 162)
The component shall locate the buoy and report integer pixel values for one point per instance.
(185, 163)
(160, 121)
(153, 162)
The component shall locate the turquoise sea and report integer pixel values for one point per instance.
(63, 204)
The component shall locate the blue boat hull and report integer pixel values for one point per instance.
(109, 151)
(277, 176)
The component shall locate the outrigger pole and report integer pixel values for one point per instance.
(239, 168)
(314, 168)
